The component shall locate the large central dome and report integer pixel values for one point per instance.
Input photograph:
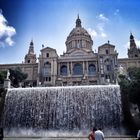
(79, 38)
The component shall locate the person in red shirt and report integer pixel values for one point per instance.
(91, 135)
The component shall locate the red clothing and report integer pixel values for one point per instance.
(91, 136)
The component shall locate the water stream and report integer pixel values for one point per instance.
(30, 111)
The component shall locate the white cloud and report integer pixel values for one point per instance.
(101, 30)
(116, 12)
(102, 17)
(9, 41)
(103, 35)
(100, 26)
(137, 42)
(6, 32)
(98, 32)
(103, 20)
(92, 32)
(126, 45)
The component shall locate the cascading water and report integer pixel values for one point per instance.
(70, 109)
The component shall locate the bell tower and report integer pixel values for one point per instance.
(133, 51)
(30, 57)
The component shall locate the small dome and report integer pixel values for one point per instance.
(131, 36)
(31, 43)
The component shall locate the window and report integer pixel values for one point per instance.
(77, 69)
(107, 76)
(46, 71)
(47, 64)
(108, 67)
(47, 54)
(28, 61)
(48, 79)
(47, 68)
(91, 69)
(63, 70)
(107, 60)
(107, 52)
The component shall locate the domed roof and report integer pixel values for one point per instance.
(79, 38)
(78, 31)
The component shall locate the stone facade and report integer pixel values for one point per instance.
(79, 65)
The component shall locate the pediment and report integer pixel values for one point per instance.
(79, 52)
(106, 45)
(48, 49)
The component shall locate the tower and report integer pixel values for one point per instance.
(30, 57)
(133, 51)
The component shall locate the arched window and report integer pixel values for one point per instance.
(47, 64)
(107, 60)
(91, 69)
(63, 70)
(108, 64)
(47, 68)
(77, 69)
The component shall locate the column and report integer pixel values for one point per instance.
(83, 68)
(87, 67)
(68, 69)
(59, 69)
(71, 69)
(53, 79)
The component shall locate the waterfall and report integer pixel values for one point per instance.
(70, 109)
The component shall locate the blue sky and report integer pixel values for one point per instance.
(49, 22)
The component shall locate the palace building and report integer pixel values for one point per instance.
(79, 65)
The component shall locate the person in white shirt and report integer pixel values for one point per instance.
(138, 135)
(99, 135)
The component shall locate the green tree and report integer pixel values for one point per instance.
(130, 85)
(17, 76)
(2, 76)
(134, 86)
(130, 93)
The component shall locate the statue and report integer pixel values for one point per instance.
(121, 70)
(7, 82)
(8, 74)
